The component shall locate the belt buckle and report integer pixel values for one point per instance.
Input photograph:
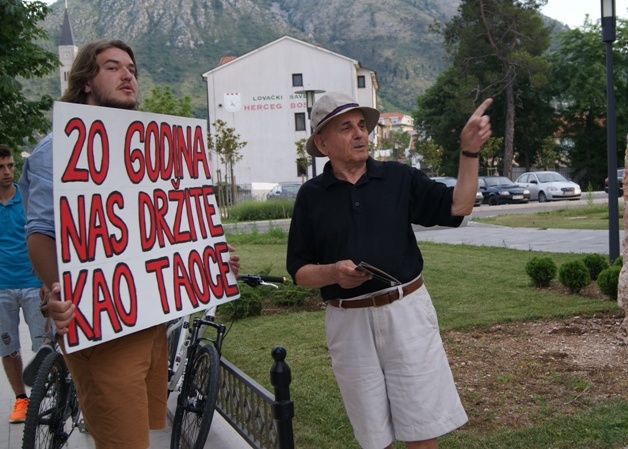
(373, 298)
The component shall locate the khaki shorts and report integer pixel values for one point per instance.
(122, 388)
(392, 371)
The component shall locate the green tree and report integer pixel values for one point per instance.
(163, 101)
(397, 140)
(549, 155)
(491, 155)
(496, 48)
(440, 116)
(579, 80)
(431, 156)
(22, 58)
(227, 144)
(536, 121)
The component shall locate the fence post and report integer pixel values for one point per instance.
(283, 407)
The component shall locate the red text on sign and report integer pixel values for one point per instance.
(164, 152)
(195, 278)
(191, 214)
(97, 152)
(113, 301)
(90, 224)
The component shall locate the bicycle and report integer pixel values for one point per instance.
(53, 410)
(194, 370)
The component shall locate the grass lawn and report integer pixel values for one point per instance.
(593, 216)
(471, 287)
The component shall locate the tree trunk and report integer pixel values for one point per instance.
(622, 288)
(509, 130)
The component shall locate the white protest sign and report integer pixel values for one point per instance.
(139, 239)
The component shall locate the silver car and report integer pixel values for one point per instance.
(549, 186)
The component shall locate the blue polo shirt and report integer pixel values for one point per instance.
(15, 266)
(369, 221)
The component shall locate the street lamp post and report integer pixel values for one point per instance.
(608, 36)
(309, 98)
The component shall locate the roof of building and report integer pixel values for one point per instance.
(392, 115)
(67, 36)
(230, 59)
(226, 59)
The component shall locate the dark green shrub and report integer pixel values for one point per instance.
(574, 275)
(542, 270)
(248, 304)
(595, 263)
(290, 295)
(251, 210)
(619, 262)
(608, 280)
(253, 300)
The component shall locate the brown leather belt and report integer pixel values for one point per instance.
(376, 301)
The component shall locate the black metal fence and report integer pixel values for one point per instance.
(264, 420)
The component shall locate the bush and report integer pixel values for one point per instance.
(595, 263)
(253, 300)
(290, 295)
(251, 210)
(608, 280)
(249, 304)
(542, 270)
(619, 262)
(574, 275)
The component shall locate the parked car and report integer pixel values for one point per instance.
(549, 186)
(501, 190)
(451, 181)
(284, 191)
(620, 182)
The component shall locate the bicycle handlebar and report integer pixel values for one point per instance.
(255, 280)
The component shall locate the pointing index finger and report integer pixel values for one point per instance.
(483, 107)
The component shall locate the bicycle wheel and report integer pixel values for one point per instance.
(197, 400)
(44, 417)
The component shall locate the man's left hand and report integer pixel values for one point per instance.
(477, 130)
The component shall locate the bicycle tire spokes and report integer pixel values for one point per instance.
(45, 412)
(197, 399)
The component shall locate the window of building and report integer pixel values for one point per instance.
(361, 82)
(297, 79)
(299, 121)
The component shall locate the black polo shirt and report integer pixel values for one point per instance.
(370, 221)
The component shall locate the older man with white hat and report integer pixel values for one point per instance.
(351, 236)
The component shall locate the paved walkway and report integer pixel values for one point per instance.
(221, 435)
(527, 239)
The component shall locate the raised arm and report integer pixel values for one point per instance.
(474, 134)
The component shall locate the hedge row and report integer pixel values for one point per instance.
(577, 274)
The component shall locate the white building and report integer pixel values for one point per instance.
(257, 95)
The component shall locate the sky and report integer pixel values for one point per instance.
(569, 12)
(572, 12)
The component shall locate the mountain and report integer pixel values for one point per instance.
(176, 41)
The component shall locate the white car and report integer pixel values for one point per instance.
(549, 186)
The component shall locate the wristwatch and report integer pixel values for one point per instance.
(474, 154)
